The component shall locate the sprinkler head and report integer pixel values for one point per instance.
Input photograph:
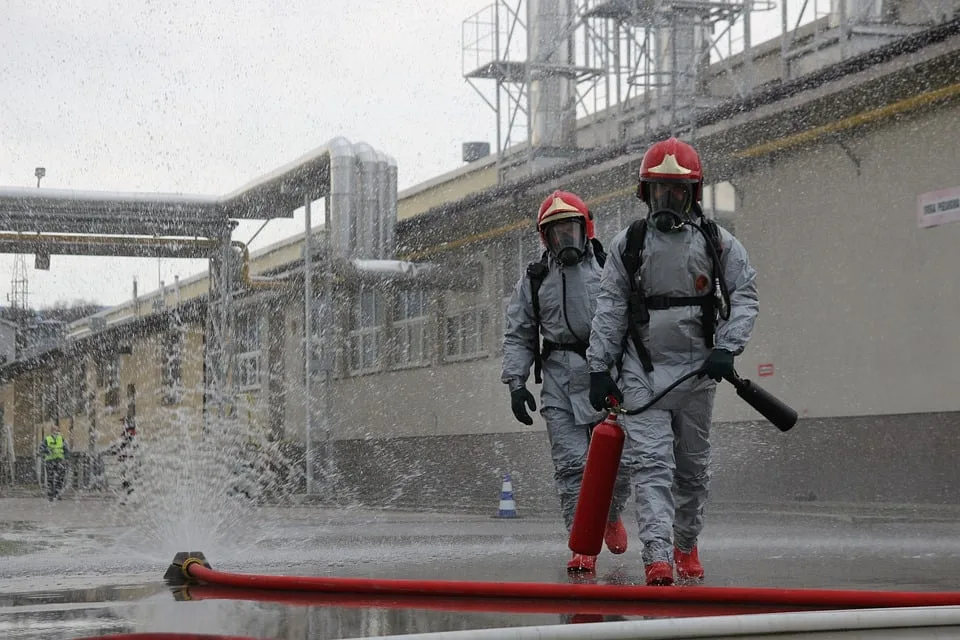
(176, 576)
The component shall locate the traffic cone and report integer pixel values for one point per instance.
(508, 507)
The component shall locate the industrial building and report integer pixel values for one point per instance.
(827, 152)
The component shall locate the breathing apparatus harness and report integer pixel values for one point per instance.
(537, 272)
(714, 304)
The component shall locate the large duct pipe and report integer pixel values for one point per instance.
(368, 213)
(384, 220)
(362, 201)
(679, 40)
(551, 92)
(390, 209)
(380, 220)
(341, 202)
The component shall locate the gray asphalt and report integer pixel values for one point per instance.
(83, 567)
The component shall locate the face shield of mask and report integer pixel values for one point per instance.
(566, 240)
(670, 204)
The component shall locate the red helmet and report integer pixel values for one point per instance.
(560, 205)
(671, 160)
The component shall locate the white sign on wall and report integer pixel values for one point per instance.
(938, 207)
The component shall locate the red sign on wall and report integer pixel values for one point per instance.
(765, 370)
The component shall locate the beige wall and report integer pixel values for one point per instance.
(460, 185)
(859, 303)
(142, 368)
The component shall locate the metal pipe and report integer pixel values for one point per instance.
(307, 341)
(551, 91)
(341, 204)
(256, 283)
(202, 243)
(262, 227)
(367, 193)
(326, 353)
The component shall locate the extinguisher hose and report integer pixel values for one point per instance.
(659, 396)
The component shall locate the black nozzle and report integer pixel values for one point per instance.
(770, 407)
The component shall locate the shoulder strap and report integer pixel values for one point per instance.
(599, 252)
(713, 232)
(637, 313)
(720, 293)
(537, 271)
(636, 234)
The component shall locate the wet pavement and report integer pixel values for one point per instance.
(83, 567)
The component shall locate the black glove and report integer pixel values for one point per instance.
(601, 386)
(518, 399)
(718, 365)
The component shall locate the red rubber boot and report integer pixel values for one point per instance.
(688, 564)
(615, 537)
(659, 574)
(582, 564)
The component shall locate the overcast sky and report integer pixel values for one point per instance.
(202, 97)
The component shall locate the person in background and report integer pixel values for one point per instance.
(54, 452)
(557, 297)
(126, 450)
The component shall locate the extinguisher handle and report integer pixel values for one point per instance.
(613, 405)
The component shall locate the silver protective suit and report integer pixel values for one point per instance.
(568, 299)
(667, 450)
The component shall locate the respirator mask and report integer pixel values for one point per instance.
(671, 205)
(566, 240)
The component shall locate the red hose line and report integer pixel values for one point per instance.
(823, 598)
(495, 605)
(165, 636)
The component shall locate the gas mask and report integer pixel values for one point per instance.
(566, 240)
(671, 205)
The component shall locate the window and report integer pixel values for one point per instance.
(465, 334)
(131, 401)
(171, 366)
(68, 395)
(720, 203)
(410, 328)
(108, 377)
(49, 396)
(80, 399)
(517, 253)
(366, 331)
(247, 333)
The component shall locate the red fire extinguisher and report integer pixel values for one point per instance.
(606, 446)
(596, 488)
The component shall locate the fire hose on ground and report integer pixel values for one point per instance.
(192, 568)
(486, 604)
(166, 636)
